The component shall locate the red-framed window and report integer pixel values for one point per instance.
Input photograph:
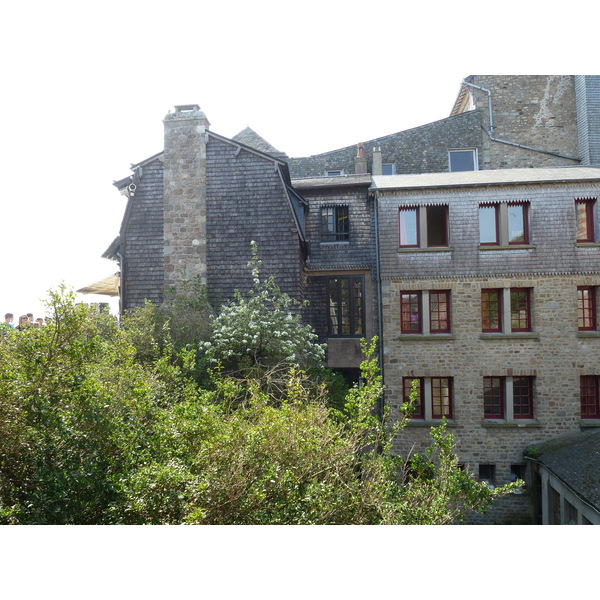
(518, 223)
(410, 312)
(584, 216)
(439, 311)
(523, 397)
(590, 398)
(586, 308)
(520, 309)
(409, 227)
(489, 226)
(441, 397)
(436, 226)
(493, 397)
(491, 311)
(418, 412)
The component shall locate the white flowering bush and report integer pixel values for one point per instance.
(262, 328)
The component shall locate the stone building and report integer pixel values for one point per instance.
(469, 246)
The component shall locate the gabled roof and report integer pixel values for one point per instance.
(250, 138)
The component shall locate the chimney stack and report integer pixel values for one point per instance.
(360, 162)
(184, 202)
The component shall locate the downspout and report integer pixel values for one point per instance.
(121, 282)
(379, 300)
(490, 132)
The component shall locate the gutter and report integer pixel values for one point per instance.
(492, 128)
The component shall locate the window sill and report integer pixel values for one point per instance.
(332, 242)
(405, 250)
(510, 336)
(589, 423)
(433, 423)
(588, 334)
(587, 245)
(511, 247)
(520, 424)
(424, 337)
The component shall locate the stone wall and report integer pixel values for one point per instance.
(538, 111)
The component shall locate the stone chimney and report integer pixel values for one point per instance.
(360, 162)
(184, 194)
(377, 161)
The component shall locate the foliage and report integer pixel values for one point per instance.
(262, 329)
(101, 423)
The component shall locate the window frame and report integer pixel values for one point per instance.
(589, 309)
(589, 399)
(422, 301)
(502, 222)
(496, 208)
(514, 311)
(525, 206)
(423, 226)
(499, 297)
(355, 311)
(428, 400)
(590, 222)
(455, 151)
(337, 217)
(508, 400)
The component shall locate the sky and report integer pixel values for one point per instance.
(85, 87)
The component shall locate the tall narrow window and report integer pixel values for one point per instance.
(520, 310)
(335, 225)
(518, 230)
(437, 226)
(488, 225)
(410, 309)
(493, 397)
(522, 397)
(584, 209)
(439, 311)
(586, 308)
(491, 311)
(590, 398)
(409, 227)
(441, 397)
(346, 310)
(407, 384)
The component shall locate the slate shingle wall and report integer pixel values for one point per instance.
(246, 202)
(143, 240)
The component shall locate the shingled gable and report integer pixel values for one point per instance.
(250, 138)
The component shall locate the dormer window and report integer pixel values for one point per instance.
(462, 160)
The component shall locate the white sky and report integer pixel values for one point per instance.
(85, 88)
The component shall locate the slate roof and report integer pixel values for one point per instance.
(250, 138)
(575, 459)
(486, 178)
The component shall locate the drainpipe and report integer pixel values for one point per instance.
(379, 300)
(490, 132)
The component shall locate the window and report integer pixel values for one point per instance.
(334, 172)
(584, 211)
(346, 310)
(518, 317)
(335, 224)
(487, 473)
(462, 160)
(508, 398)
(434, 397)
(504, 224)
(586, 308)
(590, 404)
(388, 169)
(424, 226)
(426, 312)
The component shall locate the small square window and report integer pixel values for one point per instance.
(508, 398)
(487, 473)
(462, 160)
(434, 234)
(388, 169)
(434, 397)
(425, 311)
(504, 224)
(334, 172)
(492, 315)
